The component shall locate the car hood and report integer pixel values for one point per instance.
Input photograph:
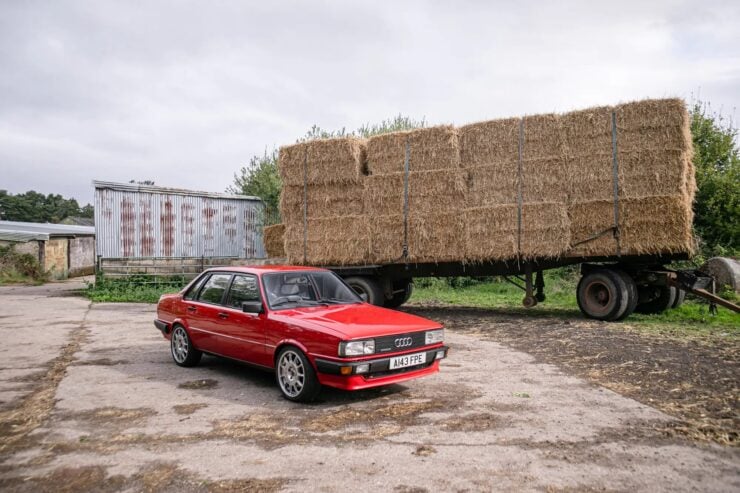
(355, 321)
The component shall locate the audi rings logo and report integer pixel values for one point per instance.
(403, 342)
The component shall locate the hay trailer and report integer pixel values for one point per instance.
(611, 288)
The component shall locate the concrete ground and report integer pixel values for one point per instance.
(90, 400)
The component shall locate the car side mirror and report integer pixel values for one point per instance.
(363, 297)
(252, 307)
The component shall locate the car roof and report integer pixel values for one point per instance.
(265, 269)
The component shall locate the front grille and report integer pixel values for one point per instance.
(387, 344)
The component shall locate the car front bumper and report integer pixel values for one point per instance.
(379, 373)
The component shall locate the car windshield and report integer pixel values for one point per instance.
(307, 288)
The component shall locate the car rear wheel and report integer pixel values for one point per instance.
(182, 349)
(295, 376)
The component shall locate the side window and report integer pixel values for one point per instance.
(193, 291)
(243, 288)
(214, 289)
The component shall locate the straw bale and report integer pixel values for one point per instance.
(431, 148)
(490, 143)
(545, 179)
(652, 113)
(435, 237)
(330, 241)
(543, 137)
(649, 225)
(273, 238)
(492, 185)
(327, 161)
(428, 191)
(492, 233)
(331, 199)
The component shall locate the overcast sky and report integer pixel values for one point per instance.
(184, 93)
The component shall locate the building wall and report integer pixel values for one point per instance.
(81, 256)
(145, 224)
(55, 257)
(31, 247)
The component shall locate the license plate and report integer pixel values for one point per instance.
(408, 360)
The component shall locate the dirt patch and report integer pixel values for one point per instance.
(424, 450)
(695, 380)
(156, 477)
(187, 409)
(112, 416)
(472, 422)
(101, 362)
(400, 413)
(204, 384)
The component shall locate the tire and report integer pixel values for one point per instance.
(680, 297)
(295, 376)
(632, 293)
(659, 299)
(182, 349)
(602, 294)
(368, 286)
(402, 297)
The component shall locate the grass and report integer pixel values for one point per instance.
(135, 289)
(693, 317)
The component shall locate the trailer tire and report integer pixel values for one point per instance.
(402, 297)
(369, 287)
(680, 296)
(660, 299)
(632, 292)
(602, 294)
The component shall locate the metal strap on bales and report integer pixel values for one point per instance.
(406, 200)
(519, 192)
(615, 181)
(305, 207)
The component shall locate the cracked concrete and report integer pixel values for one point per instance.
(117, 414)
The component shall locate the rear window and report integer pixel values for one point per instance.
(243, 288)
(213, 291)
(195, 288)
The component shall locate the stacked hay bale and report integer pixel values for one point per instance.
(324, 180)
(655, 178)
(273, 239)
(516, 204)
(436, 192)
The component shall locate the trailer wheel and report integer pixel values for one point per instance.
(603, 295)
(680, 296)
(632, 292)
(369, 287)
(658, 299)
(402, 297)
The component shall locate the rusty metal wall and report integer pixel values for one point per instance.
(138, 222)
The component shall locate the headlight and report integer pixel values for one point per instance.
(434, 336)
(356, 348)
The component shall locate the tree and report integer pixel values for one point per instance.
(261, 177)
(39, 208)
(717, 162)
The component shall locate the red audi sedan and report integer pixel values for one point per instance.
(304, 323)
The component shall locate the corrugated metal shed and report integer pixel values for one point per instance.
(140, 221)
(22, 231)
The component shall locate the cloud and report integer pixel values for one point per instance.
(184, 93)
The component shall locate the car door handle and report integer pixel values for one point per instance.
(223, 315)
(191, 308)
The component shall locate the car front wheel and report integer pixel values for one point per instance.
(183, 351)
(295, 376)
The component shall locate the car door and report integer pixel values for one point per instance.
(204, 313)
(244, 331)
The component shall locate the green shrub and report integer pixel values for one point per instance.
(20, 267)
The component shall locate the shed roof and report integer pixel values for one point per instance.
(22, 231)
(134, 187)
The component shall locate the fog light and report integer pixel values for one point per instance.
(345, 370)
(440, 355)
(362, 369)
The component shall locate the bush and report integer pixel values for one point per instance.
(20, 267)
